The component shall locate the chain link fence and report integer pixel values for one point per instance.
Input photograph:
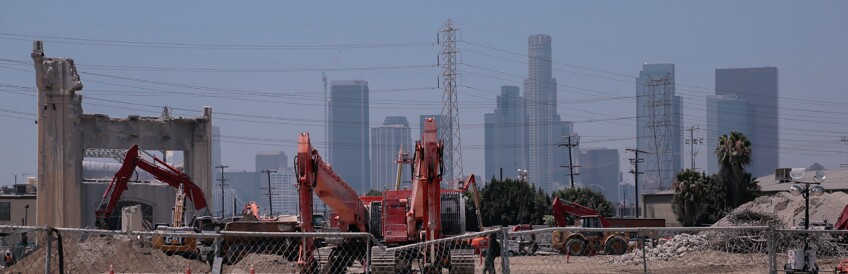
(740, 249)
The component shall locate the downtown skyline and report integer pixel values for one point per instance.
(589, 72)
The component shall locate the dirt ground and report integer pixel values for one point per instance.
(695, 262)
(95, 254)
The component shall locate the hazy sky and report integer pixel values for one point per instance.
(259, 65)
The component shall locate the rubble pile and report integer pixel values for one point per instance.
(665, 250)
(789, 209)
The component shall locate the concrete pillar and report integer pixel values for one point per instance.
(60, 150)
(198, 159)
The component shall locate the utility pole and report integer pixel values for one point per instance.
(270, 194)
(571, 165)
(692, 141)
(635, 161)
(223, 183)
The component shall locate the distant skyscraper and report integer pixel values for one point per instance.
(246, 186)
(759, 87)
(600, 166)
(725, 113)
(285, 196)
(506, 135)
(271, 160)
(541, 91)
(349, 133)
(659, 127)
(385, 143)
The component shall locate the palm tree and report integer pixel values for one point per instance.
(689, 193)
(734, 154)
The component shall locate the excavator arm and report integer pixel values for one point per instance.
(315, 176)
(426, 202)
(561, 210)
(165, 173)
(472, 182)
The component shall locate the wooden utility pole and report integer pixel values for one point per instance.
(571, 164)
(635, 161)
(270, 194)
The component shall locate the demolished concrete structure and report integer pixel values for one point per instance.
(64, 133)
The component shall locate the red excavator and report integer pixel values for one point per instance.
(316, 177)
(410, 216)
(159, 169)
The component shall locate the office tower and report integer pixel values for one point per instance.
(725, 113)
(349, 133)
(284, 190)
(541, 92)
(506, 135)
(658, 128)
(759, 87)
(385, 143)
(271, 160)
(599, 170)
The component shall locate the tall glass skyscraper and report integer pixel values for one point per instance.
(659, 127)
(725, 113)
(385, 143)
(506, 135)
(349, 133)
(759, 87)
(541, 91)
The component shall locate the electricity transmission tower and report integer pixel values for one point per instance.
(662, 127)
(450, 112)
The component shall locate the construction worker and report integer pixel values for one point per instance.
(8, 260)
(492, 252)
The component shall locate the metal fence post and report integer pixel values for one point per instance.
(644, 252)
(505, 250)
(772, 249)
(368, 255)
(47, 258)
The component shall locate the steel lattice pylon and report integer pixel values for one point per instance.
(660, 123)
(449, 127)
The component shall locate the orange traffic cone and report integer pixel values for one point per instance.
(111, 270)
(252, 271)
(188, 270)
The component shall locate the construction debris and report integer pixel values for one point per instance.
(789, 209)
(675, 247)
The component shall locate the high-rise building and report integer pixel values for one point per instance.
(271, 160)
(506, 135)
(759, 87)
(659, 127)
(725, 113)
(284, 190)
(245, 186)
(385, 144)
(599, 170)
(349, 133)
(541, 93)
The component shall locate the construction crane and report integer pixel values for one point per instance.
(159, 169)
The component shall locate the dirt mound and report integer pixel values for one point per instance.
(789, 209)
(94, 254)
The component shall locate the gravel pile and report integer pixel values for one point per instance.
(666, 249)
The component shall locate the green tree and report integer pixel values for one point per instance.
(689, 193)
(586, 197)
(374, 192)
(508, 202)
(715, 200)
(734, 154)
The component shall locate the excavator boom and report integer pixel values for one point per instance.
(472, 182)
(561, 209)
(161, 171)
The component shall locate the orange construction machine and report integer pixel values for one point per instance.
(316, 177)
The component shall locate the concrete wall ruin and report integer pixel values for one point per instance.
(64, 132)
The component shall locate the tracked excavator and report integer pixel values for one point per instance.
(405, 216)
